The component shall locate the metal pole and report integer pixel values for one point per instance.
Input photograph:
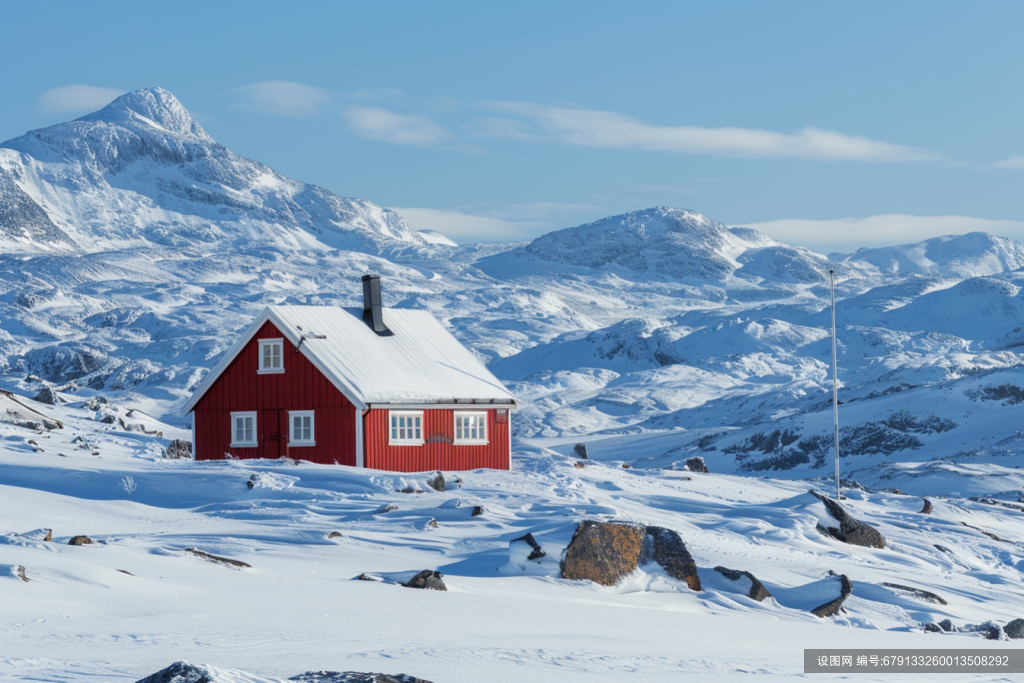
(835, 380)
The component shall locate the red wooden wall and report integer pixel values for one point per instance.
(300, 387)
(439, 453)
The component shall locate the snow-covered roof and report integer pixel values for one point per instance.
(420, 363)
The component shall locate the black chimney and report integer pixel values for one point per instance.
(373, 315)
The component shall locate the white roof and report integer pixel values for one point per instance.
(420, 363)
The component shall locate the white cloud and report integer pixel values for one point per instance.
(1014, 162)
(69, 99)
(467, 228)
(282, 98)
(400, 129)
(849, 234)
(612, 130)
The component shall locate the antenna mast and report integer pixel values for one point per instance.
(835, 380)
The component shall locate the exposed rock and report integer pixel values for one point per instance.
(1015, 629)
(947, 626)
(927, 509)
(436, 482)
(927, 596)
(757, 590)
(831, 608)
(108, 419)
(670, 552)
(1002, 503)
(217, 558)
(987, 533)
(536, 552)
(49, 396)
(427, 579)
(387, 507)
(696, 464)
(35, 446)
(580, 450)
(354, 677)
(852, 531)
(20, 571)
(49, 536)
(335, 534)
(179, 672)
(603, 552)
(625, 466)
(80, 540)
(932, 627)
(125, 571)
(253, 478)
(829, 531)
(432, 523)
(477, 511)
(892, 490)
(367, 576)
(578, 465)
(178, 449)
(990, 629)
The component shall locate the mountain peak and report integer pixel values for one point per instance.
(151, 107)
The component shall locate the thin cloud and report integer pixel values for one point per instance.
(612, 130)
(375, 123)
(282, 98)
(69, 99)
(849, 234)
(1014, 162)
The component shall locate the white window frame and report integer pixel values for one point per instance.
(234, 430)
(463, 440)
(393, 428)
(292, 441)
(264, 343)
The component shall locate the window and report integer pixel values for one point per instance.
(300, 432)
(470, 428)
(271, 356)
(243, 430)
(406, 428)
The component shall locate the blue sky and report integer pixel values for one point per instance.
(830, 125)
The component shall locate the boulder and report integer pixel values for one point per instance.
(927, 509)
(20, 572)
(696, 464)
(179, 449)
(578, 465)
(603, 552)
(80, 540)
(432, 524)
(436, 482)
(990, 629)
(354, 677)
(179, 672)
(832, 607)
(477, 511)
(852, 531)
(947, 626)
(1015, 629)
(49, 536)
(49, 396)
(218, 559)
(536, 552)
(580, 450)
(428, 580)
(757, 590)
(670, 552)
(335, 534)
(386, 507)
(932, 627)
(927, 596)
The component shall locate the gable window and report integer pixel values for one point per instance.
(271, 356)
(470, 428)
(243, 430)
(301, 430)
(406, 427)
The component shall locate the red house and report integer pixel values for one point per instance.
(388, 389)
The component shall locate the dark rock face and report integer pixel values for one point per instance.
(178, 449)
(436, 482)
(851, 530)
(947, 626)
(830, 609)
(335, 534)
(696, 464)
(387, 507)
(670, 552)
(427, 579)
(536, 552)
(927, 596)
(218, 559)
(354, 677)
(179, 672)
(49, 396)
(80, 540)
(64, 362)
(20, 571)
(757, 590)
(1015, 629)
(932, 628)
(927, 509)
(580, 450)
(603, 552)
(987, 533)
(477, 511)
(990, 629)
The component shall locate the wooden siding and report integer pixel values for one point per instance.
(300, 387)
(438, 453)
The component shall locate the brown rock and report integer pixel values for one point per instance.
(670, 552)
(757, 590)
(578, 465)
(80, 540)
(927, 509)
(831, 608)
(49, 536)
(334, 534)
(603, 552)
(432, 523)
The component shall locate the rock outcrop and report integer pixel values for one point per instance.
(428, 580)
(851, 530)
(180, 672)
(209, 557)
(354, 677)
(437, 482)
(757, 590)
(1015, 629)
(832, 607)
(696, 464)
(670, 552)
(178, 449)
(536, 552)
(927, 596)
(603, 552)
(80, 540)
(927, 509)
(580, 450)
